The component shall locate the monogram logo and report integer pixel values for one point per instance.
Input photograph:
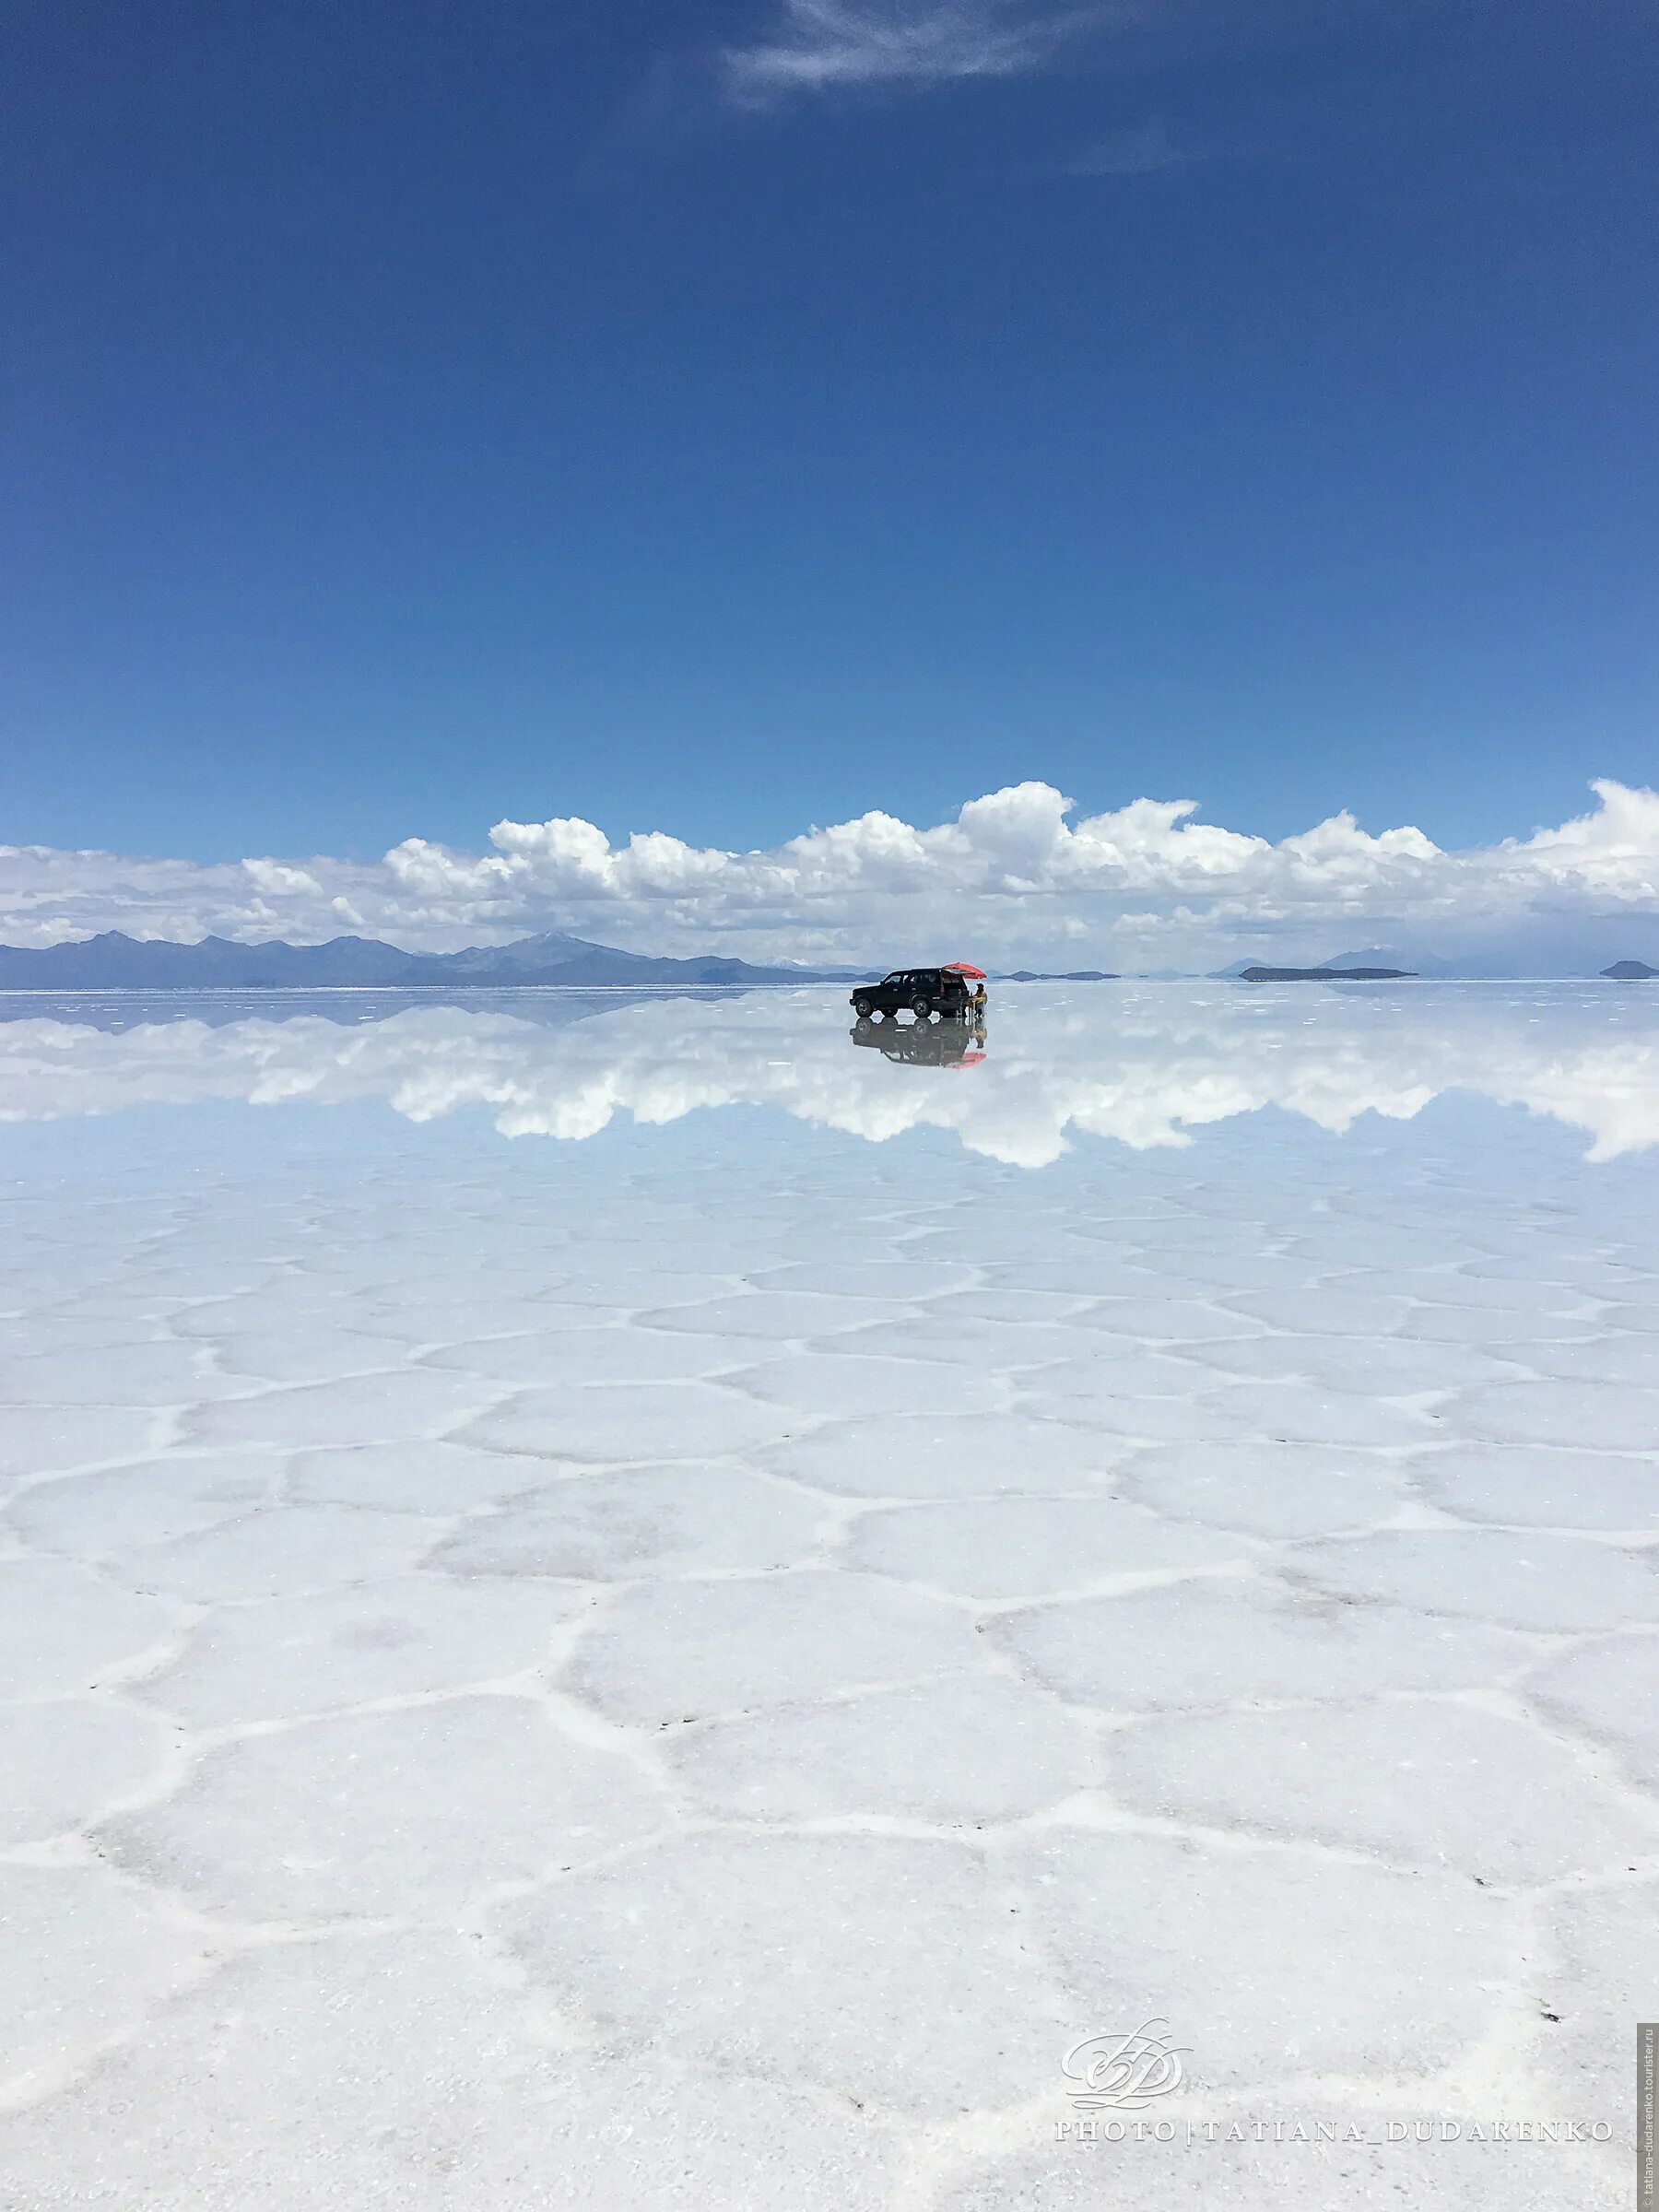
(1125, 2072)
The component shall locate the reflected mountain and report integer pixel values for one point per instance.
(1139, 1065)
(545, 1007)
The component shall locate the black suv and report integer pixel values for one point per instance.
(921, 991)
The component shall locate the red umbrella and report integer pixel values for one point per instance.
(964, 968)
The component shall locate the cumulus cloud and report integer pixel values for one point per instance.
(274, 876)
(1018, 876)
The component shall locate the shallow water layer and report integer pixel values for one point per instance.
(658, 1603)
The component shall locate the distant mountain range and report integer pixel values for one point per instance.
(116, 962)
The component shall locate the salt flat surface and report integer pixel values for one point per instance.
(636, 1605)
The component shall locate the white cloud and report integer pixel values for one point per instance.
(274, 876)
(819, 45)
(1617, 846)
(1016, 878)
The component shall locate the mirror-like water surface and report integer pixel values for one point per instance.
(1143, 1066)
(691, 1667)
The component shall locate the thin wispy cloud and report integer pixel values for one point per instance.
(1145, 150)
(823, 45)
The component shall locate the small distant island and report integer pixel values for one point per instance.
(1629, 971)
(1326, 975)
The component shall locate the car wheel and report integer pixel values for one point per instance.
(861, 1007)
(921, 1009)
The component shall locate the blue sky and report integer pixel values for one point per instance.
(427, 414)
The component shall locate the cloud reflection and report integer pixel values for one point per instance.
(1141, 1065)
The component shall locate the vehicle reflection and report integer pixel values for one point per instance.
(924, 1043)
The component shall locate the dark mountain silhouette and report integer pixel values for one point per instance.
(1629, 971)
(1364, 967)
(1386, 957)
(526, 960)
(1326, 975)
(1073, 975)
(116, 962)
